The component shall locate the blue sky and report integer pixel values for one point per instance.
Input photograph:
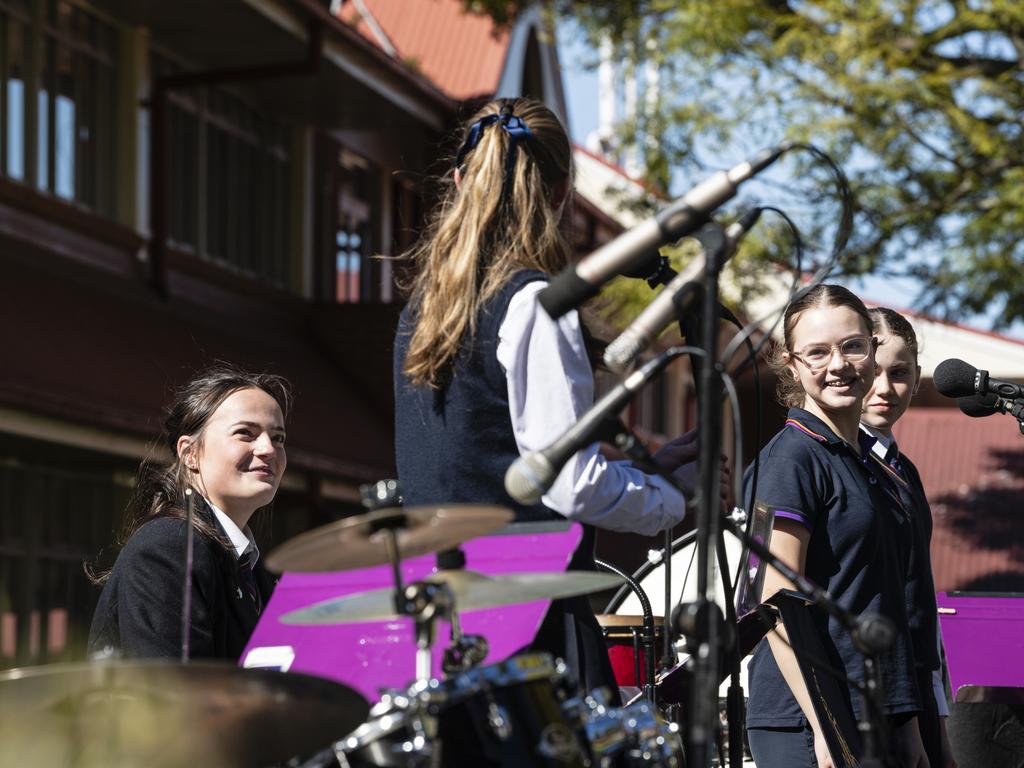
(581, 91)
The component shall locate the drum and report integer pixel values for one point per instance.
(518, 712)
(623, 635)
(684, 586)
(509, 714)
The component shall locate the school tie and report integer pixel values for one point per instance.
(248, 580)
(892, 458)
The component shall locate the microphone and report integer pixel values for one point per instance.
(955, 378)
(978, 406)
(649, 324)
(529, 477)
(625, 253)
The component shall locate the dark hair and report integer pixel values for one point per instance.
(788, 389)
(160, 488)
(895, 324)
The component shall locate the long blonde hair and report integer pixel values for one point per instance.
(486, 228)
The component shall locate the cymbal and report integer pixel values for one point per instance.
(473, 591)
(360, 542)
(166, 714)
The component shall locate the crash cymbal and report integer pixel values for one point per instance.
(473, 591)
(360, 542)
(154, 713)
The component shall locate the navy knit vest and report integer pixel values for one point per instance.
(453, 444)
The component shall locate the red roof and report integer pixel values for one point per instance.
(973, 472)
(462, 53)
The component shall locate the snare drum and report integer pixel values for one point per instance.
(623, 636)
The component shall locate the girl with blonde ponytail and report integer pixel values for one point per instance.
(484, 375)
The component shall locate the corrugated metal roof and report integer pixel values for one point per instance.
(973, 472)
(462, 53)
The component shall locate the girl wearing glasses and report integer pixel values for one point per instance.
(483, 374)
(835, 523)
(897, 379)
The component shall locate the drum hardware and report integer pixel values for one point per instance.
(632, 650)
(136, 713)
(646, 638)
(465, 651)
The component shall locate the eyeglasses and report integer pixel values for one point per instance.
(852, 350)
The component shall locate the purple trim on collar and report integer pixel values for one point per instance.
(791, 422)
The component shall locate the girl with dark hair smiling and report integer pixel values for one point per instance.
(836, 523)
(225, 430)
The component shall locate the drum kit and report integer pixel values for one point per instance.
(519, 711)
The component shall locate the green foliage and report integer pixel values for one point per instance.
(921, 102)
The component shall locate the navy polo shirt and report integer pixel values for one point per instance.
(859, 538)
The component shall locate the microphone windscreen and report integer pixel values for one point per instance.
(978, 405)
(955, 378)
(529, 477)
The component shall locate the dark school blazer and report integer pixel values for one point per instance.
(139, 610)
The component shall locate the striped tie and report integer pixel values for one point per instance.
(248, 580)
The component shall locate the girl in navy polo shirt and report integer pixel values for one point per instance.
(897, 379)
(835, 522)
(483, 374)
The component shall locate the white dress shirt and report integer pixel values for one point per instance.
(550, 385)
(240, 540)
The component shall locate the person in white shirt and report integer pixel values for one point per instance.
(483, 375)
(226, 432)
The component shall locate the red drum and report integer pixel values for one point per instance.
(623, 635)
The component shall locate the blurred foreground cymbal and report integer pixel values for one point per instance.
(110, 714)
(473, 591)
(360, 542)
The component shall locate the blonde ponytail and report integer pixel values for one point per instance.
(499, 219)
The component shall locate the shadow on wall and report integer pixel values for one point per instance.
(989, 520)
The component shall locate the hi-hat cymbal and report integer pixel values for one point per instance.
(473, 591)
(360, 542)
(155, 713)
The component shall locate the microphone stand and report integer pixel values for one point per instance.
(186, 587)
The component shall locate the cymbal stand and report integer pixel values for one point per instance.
(422, 601)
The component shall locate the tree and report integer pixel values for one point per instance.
(921, 102)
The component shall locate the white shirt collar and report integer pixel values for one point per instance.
(241, 540)
(882, 441)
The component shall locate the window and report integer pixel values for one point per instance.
(57, 101)
(356, 194)
(58, 509)
(228, 186)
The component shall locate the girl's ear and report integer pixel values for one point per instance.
(790, 363)
(917, 381)
(458, 178)
(186, 453)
